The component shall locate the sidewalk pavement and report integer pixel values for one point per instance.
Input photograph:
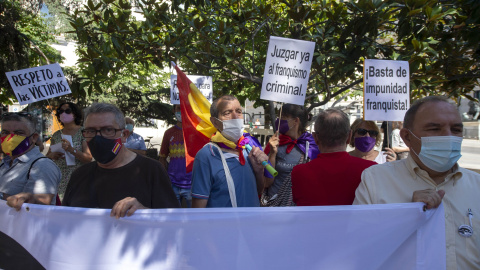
(470, 155)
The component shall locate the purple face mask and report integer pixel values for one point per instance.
(365, 144)
(284, 128)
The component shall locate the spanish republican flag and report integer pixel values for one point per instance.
(197, 128)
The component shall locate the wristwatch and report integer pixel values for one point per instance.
(74, 151)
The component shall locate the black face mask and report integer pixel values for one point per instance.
(104, 150)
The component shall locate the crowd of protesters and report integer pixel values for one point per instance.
(420, 165)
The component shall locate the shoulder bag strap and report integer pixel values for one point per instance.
(228, 176)
(31, 165)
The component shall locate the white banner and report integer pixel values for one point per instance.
(386, 90)
(393, 236)
(287, 70)
(203, 83)
(38, 83)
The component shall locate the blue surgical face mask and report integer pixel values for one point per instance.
(129, 127)
(439, 153)
(178, 115)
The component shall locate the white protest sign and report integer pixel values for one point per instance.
(287, 70)
(203, 83)
(386, 90)
(38, 83)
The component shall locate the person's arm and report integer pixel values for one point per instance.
(164, 151)
(202, 178)
(397, 143)
(272, 156)
(54, 155)
(163, 161)
(199, 203)
(84, 156)
(41, 185)
(391, 155)
(16, 201)
(256, 158)
(399, 149)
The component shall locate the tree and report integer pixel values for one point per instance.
(228, 39)
(23, 43)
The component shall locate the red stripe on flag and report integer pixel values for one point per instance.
(193, 139)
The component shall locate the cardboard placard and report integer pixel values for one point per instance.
(287, 70)
(38, 83)
(203, 83)
(386, 90)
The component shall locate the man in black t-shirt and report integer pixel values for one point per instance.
(119, 178)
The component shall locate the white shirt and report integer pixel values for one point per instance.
(395, 182)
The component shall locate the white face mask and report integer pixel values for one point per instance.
(178, 115)
(232, 129)
(439, 153)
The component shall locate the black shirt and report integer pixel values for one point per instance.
(143, 178)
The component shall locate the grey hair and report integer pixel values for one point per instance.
(332, 127)
(129, 119)
(107, 108)
(30, 121)
(214, 108)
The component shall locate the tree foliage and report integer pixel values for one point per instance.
(24, 43)
(228, 39)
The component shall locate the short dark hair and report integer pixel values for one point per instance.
(18, 117)
(294, 111)
(214, 108)
(410, 114)
(77, 113)
(332, 127)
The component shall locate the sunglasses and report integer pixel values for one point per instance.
(67, 111)
(363, 132)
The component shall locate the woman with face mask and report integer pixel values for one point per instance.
(288, 147)
(69, 116)
(365, 136)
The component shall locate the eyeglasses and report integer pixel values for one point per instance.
(106, 132)
(363, 132)
(67, 111)
(21, 114)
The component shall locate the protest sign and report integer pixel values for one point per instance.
(386, 95)
(287, 70)
(38, 83)
(203, 83)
